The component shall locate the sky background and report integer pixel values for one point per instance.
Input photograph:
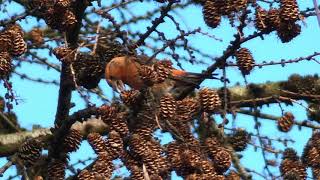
(38, 102)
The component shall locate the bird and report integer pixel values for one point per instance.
(126, 70)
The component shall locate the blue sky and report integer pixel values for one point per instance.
(38, 101)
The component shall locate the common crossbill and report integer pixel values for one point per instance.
(126, 70)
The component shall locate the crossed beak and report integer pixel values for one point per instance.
(117, 85)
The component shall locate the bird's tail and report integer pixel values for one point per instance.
(190, 77)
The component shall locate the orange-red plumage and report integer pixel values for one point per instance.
(125, 70)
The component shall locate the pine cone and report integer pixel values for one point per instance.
(212, 145)
(137, 144)
(136, 173)
(261, 16)
(56, 169)
(29, 152)
(103, 166)
(207, 168)
(273, 19)
(291, 154)
(289, 10)
(173, 155)
(107, 113)
(224, 7)
(72, 140)
(37, 36)
(311, 156)
(222, 160)
(245, 61)
(88, 70)
(5, 65)
(63, 3)
(129, 160)
(97, 142)
(316, 172)
(148, 75)
(167, 107)
(85, 175)
(286, 122)
(119, 124)
(287, 31)
(64, 54)
(239, 140)
(114, 144)
(19, 45)
(190, 158)
(6, 41)
(211, 14)
(130, 98)
(163, 70)
(290, 168)
(209, 100)
(238, 5)
(188, 107)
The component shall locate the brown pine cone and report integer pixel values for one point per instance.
(238, 5)
(245, 61)
(97, 142)
(224, 7)
(64, 54)
(173, 155)
(286, 122)
(85, 175)
(167, 107)
(129, 160)
(212, 145)
(207, 167)
(311, 156)
(107, 113)
(261, 16)
(103, 167)
(289, 10)
(6, 41)
(163, 70)
(290, 168)
(36, 35)
(5, 65)
(119, 124)
(316, 172)
(273, 19)
(291, 165)
(211, 14)
(138, 145)
(190, 158)
(239, 139)
(187, 106)
(30, 151)
(130, 98)
(222, 160)
(136, 173)
(210, 100)
(114, 144)
(56, 169)
(148, 75)
(63, 3)
(72, 140)
(19, 46)
(287, 31)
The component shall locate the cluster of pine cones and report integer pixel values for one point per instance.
(283, 20)
(214, 9)
(58, 14)
(292, 166)
(12, 45)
